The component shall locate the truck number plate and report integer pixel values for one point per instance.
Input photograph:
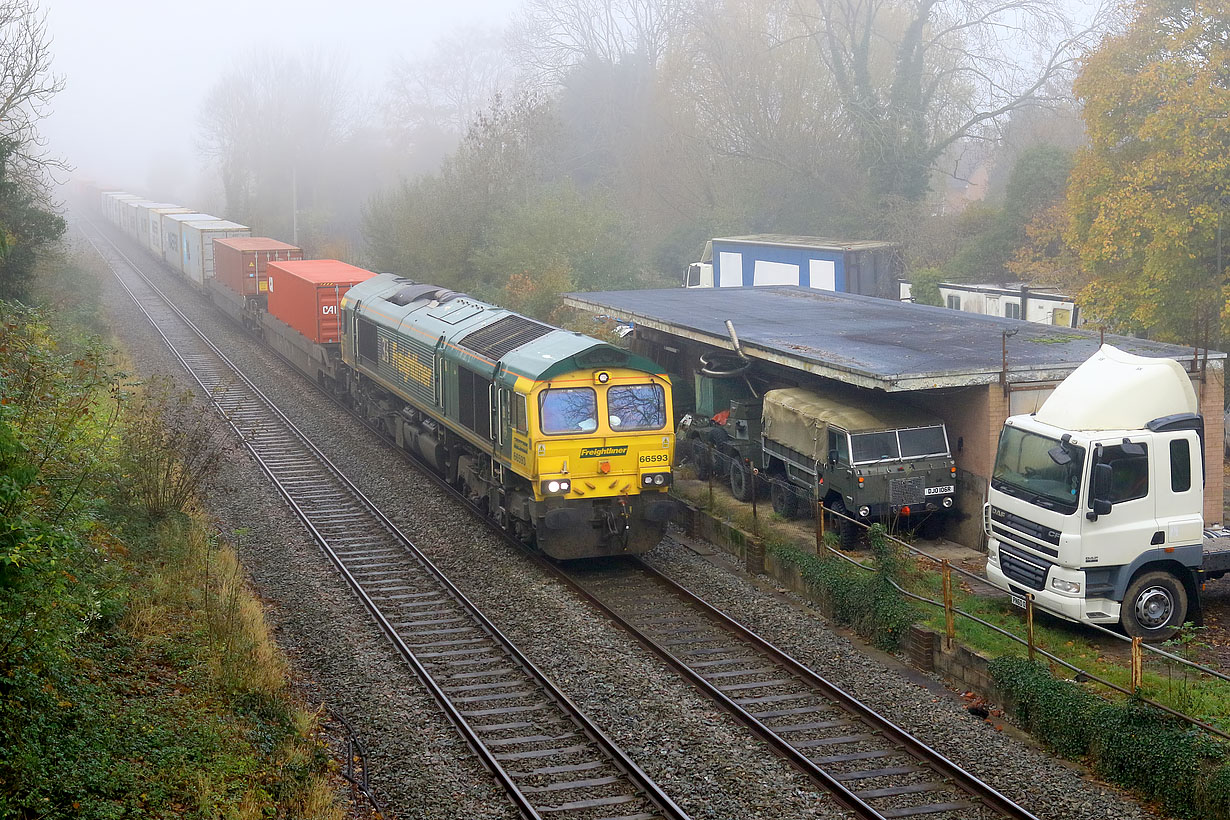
(945, 490)
(1017, 600)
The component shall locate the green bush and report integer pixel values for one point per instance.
(866, 601)
(1186, 771)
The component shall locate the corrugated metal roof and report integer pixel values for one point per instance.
(863, 340)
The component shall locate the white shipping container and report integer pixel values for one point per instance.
(198, 246)
(114, 204)
(153, 225)
(147, 215)
(104, 205)
(130, 215)
(172, 240)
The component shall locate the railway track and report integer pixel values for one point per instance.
(551, 760)
(872, 767)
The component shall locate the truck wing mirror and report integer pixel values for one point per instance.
(1101, 492)
(1059, 455)
(832, 456)
(1131, 448)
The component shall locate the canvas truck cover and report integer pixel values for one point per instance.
(799, 418)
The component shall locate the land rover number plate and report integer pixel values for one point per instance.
(945, 490)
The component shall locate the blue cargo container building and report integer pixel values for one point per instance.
(863, 267)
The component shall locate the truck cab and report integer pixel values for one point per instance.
(1095, 506)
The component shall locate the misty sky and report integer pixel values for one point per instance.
(137, 70)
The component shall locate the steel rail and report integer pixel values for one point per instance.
(644, 787)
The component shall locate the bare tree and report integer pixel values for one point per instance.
(447, 89)
(555, 35)
(915, 76)
(26, 88)
(272, 126)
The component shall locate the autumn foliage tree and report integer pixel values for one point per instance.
(1149, 198)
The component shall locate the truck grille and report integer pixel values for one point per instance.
(1024, 569)
(902, 491)
(1024, 525)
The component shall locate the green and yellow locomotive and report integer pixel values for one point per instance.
(565, 440)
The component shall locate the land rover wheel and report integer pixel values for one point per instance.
(847, 530)
(740, 479)
(785, 501)
(1155, 606)
(700, 459)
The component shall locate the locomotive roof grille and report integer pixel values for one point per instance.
(500, 338)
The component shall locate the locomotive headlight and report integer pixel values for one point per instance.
(556, 486)
(602, 377)
(659, 479)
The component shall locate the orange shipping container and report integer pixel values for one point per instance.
(306, 295)
(240, 262)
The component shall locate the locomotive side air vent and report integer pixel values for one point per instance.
(503, 336)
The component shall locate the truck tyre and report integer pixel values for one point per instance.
(740, 480)
(847, 530)
(1154, 607)
(700, 459)
(785, 501)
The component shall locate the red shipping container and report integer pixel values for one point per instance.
(240, 262)
(306, 295)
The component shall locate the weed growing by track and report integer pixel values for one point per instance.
(137, 674)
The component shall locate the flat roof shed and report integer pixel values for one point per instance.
(971, 370)
(865, 341)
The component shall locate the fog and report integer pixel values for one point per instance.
(136, 71)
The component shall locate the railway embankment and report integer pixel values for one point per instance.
(138, 676)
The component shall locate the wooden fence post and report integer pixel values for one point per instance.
(950, 625)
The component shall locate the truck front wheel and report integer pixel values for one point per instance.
(701, 459)
(1155, 606)
(740, 480)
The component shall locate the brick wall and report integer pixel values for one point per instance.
(1212, 396)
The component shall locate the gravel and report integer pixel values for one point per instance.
(418, 765)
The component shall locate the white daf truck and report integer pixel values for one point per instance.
(1096, 500)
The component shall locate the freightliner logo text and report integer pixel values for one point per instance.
(600, 452)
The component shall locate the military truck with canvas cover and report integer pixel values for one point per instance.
(871, 458)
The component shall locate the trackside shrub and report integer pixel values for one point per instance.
(1186, 771)
(865, 601)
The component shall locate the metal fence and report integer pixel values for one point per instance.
(720, 466)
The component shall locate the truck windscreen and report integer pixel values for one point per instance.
(1024, 468)
(870, 447)
(923, 441)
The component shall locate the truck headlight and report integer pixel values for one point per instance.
(864, 511)
(1071, 587)
(947, 502)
